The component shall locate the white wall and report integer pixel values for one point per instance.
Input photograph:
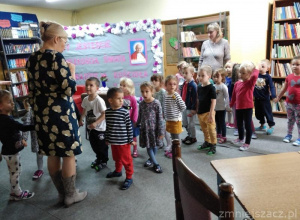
(248, 19)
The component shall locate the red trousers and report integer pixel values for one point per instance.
(122, 156)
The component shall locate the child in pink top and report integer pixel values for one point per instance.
(242, 97)
(130, 103)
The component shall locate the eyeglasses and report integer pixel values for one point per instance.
(65, 41)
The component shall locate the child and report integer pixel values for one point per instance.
(242, 97)
(119, 135)
(151, 125)
(130, 102)
(264, 85)
(173, 107)
(292, 100)
(222, 104)
(206, 109)
(189, 96)
(13, 143)
(28, 120)
(94, 110)
(179, 75)
(228, 67)
(157, 81)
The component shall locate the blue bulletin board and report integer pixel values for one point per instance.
(12, 19)
(111, 49)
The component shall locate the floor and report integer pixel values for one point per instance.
(151, 195)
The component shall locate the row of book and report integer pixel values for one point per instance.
(279, 106)
(20, 90)
(25, 30)
(17, 77)
(288, 12)
(188, 36)
(280, 69)
(278, 86)
(285, 51)
(21, 48)
(190, 52)
(16, 63)
(286, 31)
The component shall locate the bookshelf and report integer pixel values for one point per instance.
(192, 32)
(16, 45)
(285, 44)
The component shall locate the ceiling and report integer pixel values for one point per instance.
(71, 5)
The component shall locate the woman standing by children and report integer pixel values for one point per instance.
(130, 103)
(222, 104)
(151, 125)
(292, 87)
(173, 107)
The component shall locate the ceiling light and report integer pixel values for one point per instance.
(52, 1)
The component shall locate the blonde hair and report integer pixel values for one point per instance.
(228, 63)
(215, 27)
(206, 69)
(49, 29)
(129, 84)
(247, 66)
(295, 58)
(170, 78)
(267, 62)
(181, 64)
(189, 67)
(147, 84)
(220, 72)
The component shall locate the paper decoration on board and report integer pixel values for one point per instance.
(173, 42)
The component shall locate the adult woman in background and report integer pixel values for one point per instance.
(215, 51)
(51, 85)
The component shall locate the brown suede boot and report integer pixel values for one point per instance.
(71, 194)
(58, 183)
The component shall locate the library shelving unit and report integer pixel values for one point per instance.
(192, 32)
(15, 48)
(285, 44)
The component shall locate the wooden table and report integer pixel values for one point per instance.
(267, 187)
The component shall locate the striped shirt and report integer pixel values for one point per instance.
(118, 127)
(173, 106)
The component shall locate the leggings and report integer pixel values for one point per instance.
(152, 152)
(293, 115)
(14, 168)
(244, 116)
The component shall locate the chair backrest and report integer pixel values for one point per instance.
(194, 199)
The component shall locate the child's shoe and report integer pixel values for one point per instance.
(212, 149)
(185, 139)
(219, 136)
(94, 164)
(191, 141)
(222, 140)
(114, 174)
(37, 174)
(157, 168)
(236, 132)
(244, 147)
(237, 142)
(287, 139)
(100, 166)
(204, 146)
(148, 163)
(297, 142)
(127, 183)
(270, 130)
(261, 128)
(169, 154)
(135, 154)
(230, 126)
(254, 136)
(24, 195)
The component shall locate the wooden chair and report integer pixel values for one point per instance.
(194, 199)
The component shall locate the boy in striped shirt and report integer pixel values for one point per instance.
(119, 135)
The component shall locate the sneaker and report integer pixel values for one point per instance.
(236, 132)
(204, 146)
(297, 142)
(135, 154)
(222, 140)
(270, 130)
(37, 174)
(169, 155)
(100, 166)
(148, 163)
(114, 174)
(190, 141)
(219, 136)
(157, 168)
(261, 128)
(254, 136)
(127, 183)
(287, 138)
(24, 195)
(237, 142)
(212, 149)
(185, 139)
(244, 147)
(94, 164)
(230, 126)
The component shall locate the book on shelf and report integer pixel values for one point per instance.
(286, 31)
(279, 106)
(190, 52)
(280, 69)
(188, 36)
(278, 86)
(288, 12)
(25, 30)
(21, 48)
(17, 77)
(285, 51)
(20, 90)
